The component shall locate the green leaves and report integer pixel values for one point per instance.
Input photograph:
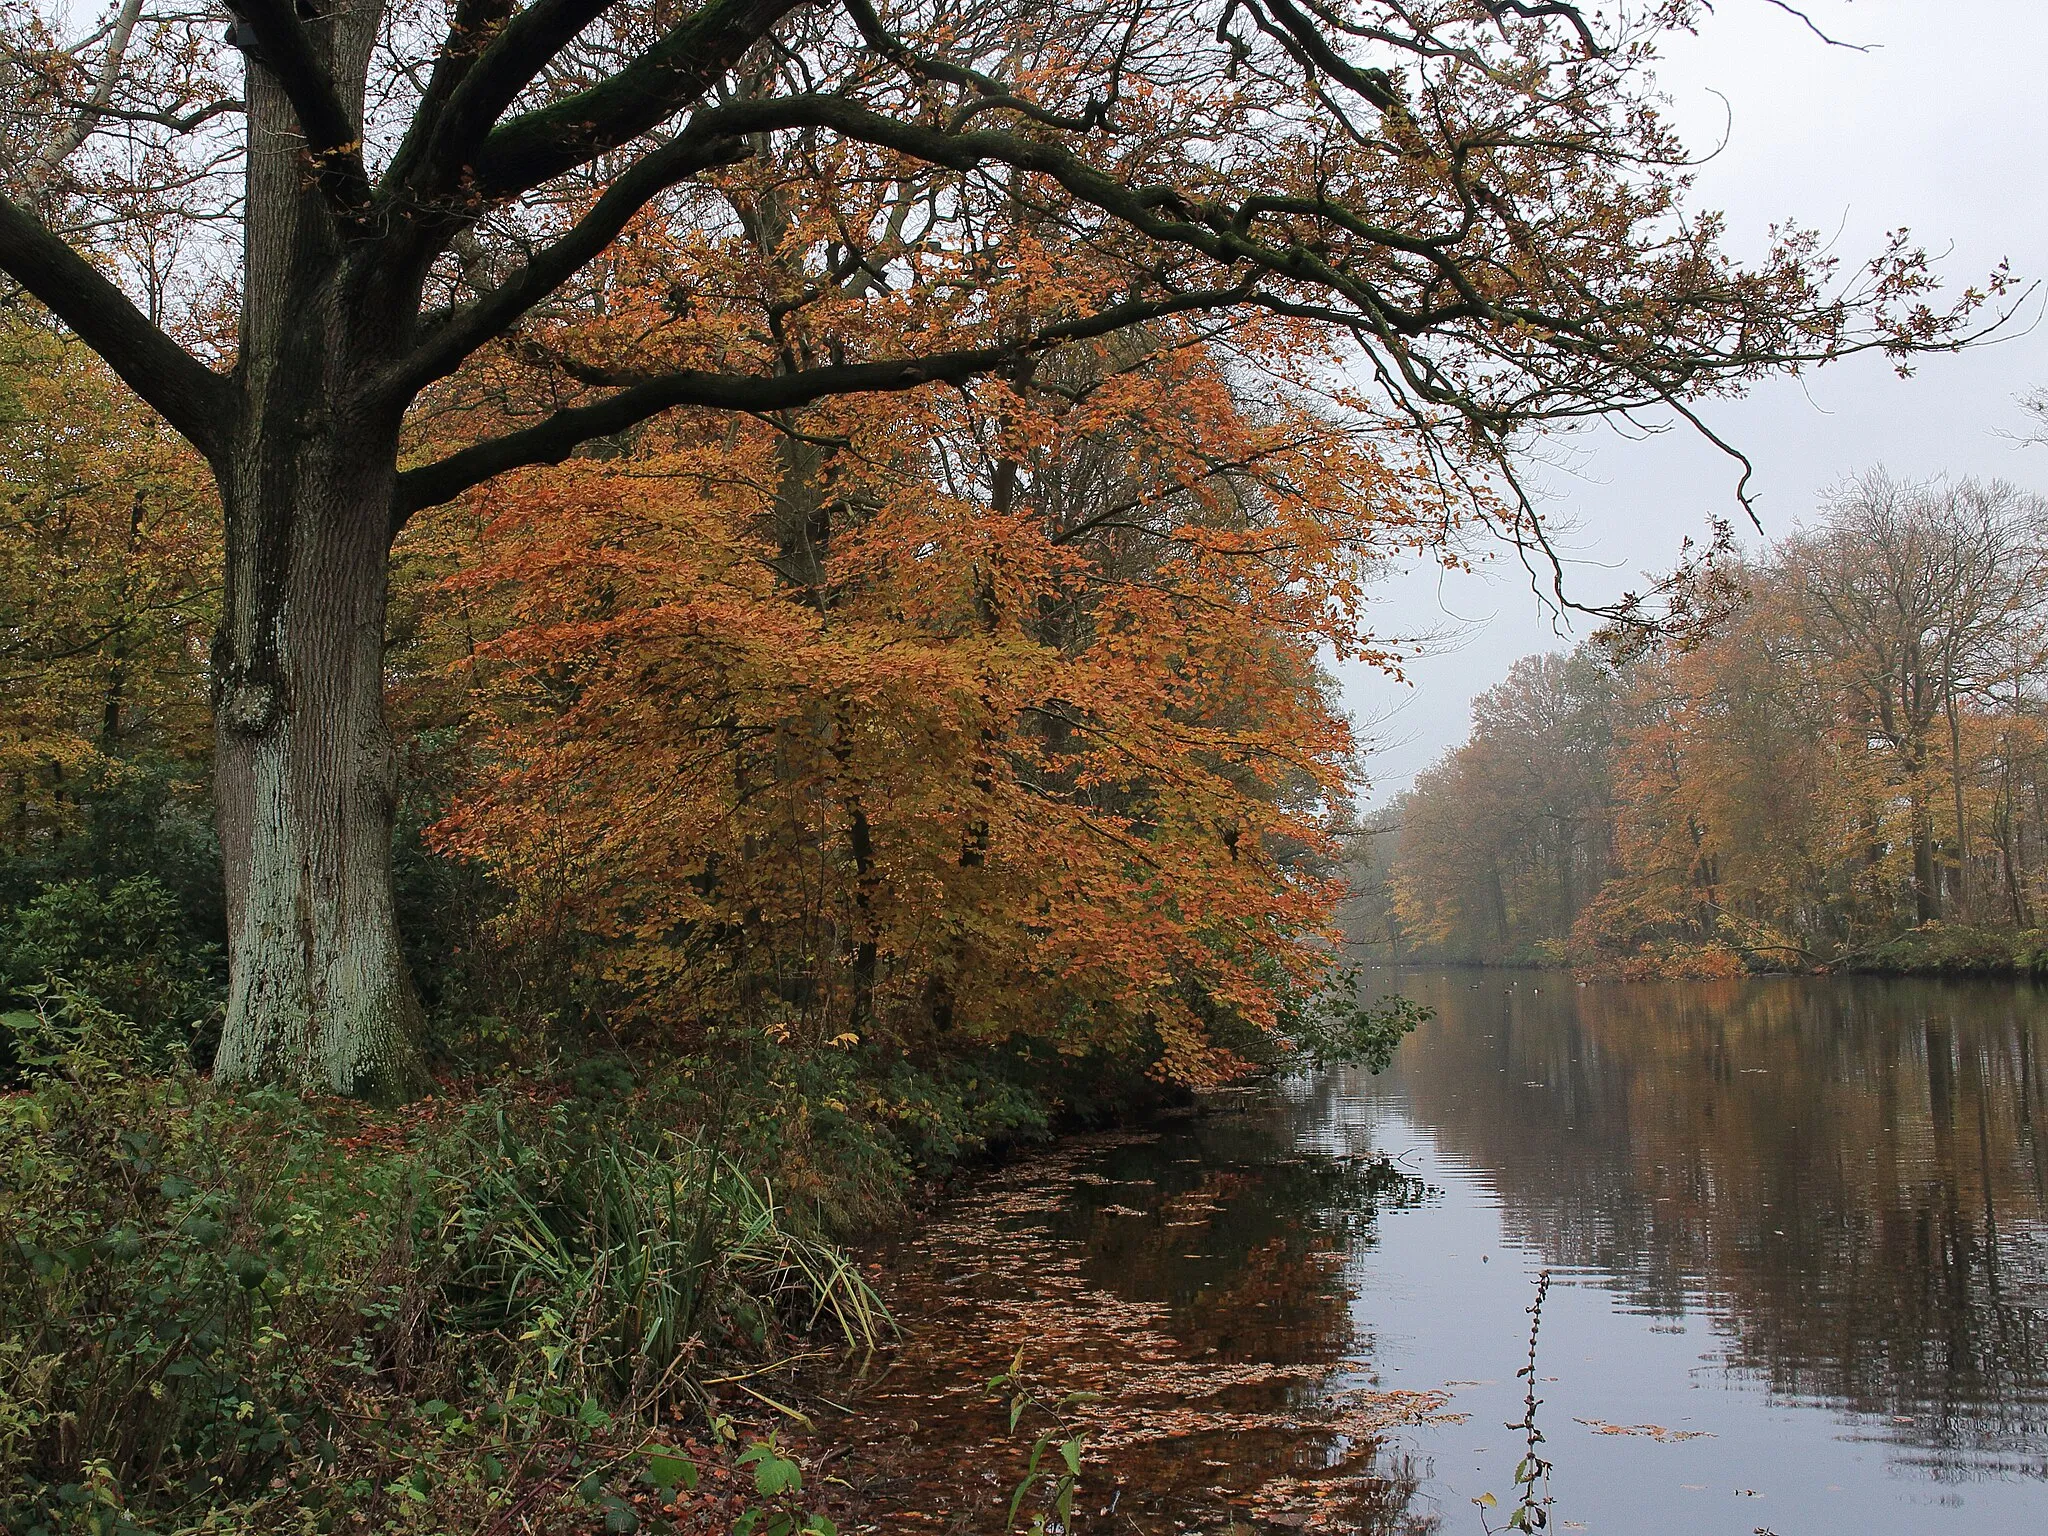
(1336, 1029)
(774, 1474)
(1062, 1440)
(778, 1480)
(669, 1470)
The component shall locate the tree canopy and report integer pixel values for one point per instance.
(1312, 271)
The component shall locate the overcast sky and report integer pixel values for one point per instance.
(1939, 127)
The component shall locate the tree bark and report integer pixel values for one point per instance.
(1963, 908)
(1926, 886)
(306, 771)
(306, 776)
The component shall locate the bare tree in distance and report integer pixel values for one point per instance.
(1913, 593)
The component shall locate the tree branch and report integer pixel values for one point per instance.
(539, 145)
(492, 313)
(333, 141)
(1544, 10)
(1814, 27)
(555, 438)
(194, 399)
(490, 56)
(197, 117)
(85, 112)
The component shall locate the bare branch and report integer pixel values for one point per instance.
(1812, 26)
(86, 112)
(490, 56)
(462, 332)
(665, 80)
(176, 122)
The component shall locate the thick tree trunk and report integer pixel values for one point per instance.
(306, 781)
(306, 770)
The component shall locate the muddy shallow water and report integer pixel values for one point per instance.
(1800, 1279)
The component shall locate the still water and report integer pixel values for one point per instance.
(1798, 1232)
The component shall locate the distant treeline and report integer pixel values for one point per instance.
(1849, 767)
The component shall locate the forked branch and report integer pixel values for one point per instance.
(334, 143)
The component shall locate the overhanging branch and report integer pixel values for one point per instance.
(669, 77)
(194, 399)
(492, 313)
(559, 435)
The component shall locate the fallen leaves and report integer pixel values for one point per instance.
(1656, 1432)
(1254, 1420)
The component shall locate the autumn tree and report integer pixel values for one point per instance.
(1731, 796)
(1906, 594)
(1506, 837)
(1058, 765)
(1850, 749)
(107, 583)
(353, 228)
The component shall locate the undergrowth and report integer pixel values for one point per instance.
(245, 1312)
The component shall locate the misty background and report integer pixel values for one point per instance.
(1932, 122)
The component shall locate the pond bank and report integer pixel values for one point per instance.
(1934, 950)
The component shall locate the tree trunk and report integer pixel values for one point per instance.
(306, 771)
(1926, 876)
(1963, 908)
(306, 777)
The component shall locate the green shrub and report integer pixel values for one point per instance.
(269, 1314)
(126, 947)
(1338, 1028)
(1947, 949)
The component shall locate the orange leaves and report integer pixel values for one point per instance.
(107, 576)
(954, 714)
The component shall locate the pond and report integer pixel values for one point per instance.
(1799, 1265)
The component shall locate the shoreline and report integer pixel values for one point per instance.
(1933, 951)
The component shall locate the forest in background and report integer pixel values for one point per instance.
(1842, 763)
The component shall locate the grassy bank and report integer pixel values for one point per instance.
(585, 1299)
(588, 1285)
(1955, 949)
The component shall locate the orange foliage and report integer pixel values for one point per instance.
(994, 711)
(107, 581)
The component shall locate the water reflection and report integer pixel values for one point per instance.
(1195, 1276)
(1804, 1220)
(1850, 1171)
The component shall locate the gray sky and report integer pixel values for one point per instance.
(1940, 128)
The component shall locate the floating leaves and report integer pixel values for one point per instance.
(1221, 1383)
(1656, 1432)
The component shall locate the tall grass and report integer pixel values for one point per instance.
(624, 1264)
(210, 1300)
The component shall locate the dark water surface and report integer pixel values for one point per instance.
(1797, 1229)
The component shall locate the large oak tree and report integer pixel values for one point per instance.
(1477, 194)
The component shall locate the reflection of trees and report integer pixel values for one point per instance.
(1196, 1279)
(1241, 1239)
(1852, 1171)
